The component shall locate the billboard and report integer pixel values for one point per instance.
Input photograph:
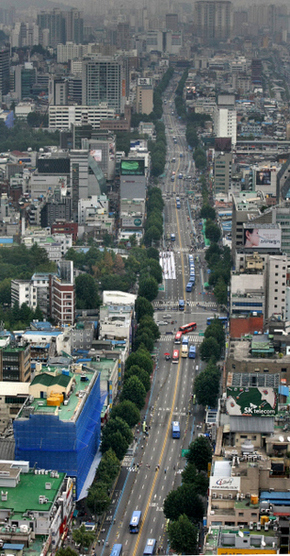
(252, 402)
(263, 177)
(131, 222)
(133, 167)
(144, 81)
(97, 155)
(265, 238)
(225, 483)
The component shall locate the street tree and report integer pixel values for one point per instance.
(209, 348)
(207, 212)
(127, 410)
(153, 253)
(98, 500)
(221, 292)
(68, 551)
(183, 536)
(152, 234)
(82, 537)
(200, 453)
(114, 425)
(143, 307)
(183, 500)
(87, 296)
(212, 231)
(139, 373)
(134, 391)
(141, 358)
(145, 339)
(108, 468)
(215, 330)
(148, 288)
(148, 323)
(117, 442)
(206, 387)
(196, 478)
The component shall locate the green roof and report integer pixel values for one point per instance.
(25, 496)
(48, 380)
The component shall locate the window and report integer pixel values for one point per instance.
(241, 514)
(283, 370)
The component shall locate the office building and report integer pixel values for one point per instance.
(62, 26)
(57, 91)
(123, 36)
(171, 22)
(225, 117)
(74, 26)
(102, 82)
(4, 71)
(63, 117)
(61, 428)
(144, 95)
(213, 20)
(222, 165)
(15, 362)
(62, 294)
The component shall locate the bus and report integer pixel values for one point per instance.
(175, 429)
(117, 550)
(185, 340)
(189, 287)
(184, 350)
(187, 327)
(135, 522)
(192, 280)
(150, 547)
(175, 356)
(178, 205)
(181, 305)
(178, 337)
(223, 320)
(192, 352)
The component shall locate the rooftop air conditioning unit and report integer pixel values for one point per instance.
(220, 496)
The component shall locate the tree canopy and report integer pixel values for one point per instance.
(183, 536)
(200, 453)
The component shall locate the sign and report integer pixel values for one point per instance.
(131, 222)
(252, 402)
(161, 288)
(97, 155)
(144, 81)
(133, 167)
(261, 237)
(184, 453)
(224, 483)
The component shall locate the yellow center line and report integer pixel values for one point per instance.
(160, 459)
(179, 236)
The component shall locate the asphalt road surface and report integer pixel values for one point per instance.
(145, 484)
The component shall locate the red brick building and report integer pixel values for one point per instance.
(67, 228)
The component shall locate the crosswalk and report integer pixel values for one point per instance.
(171, 304)
(194, 338)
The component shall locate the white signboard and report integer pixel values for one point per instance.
(224, 483)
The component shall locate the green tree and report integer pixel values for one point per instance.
(127, 410)
(200, 453)
(206, 386)
(98, 500)
(152, 234)
(82, 537)
(141, 358)
(148, 288)
(139, 373)
(212, 231)
(207, 212)
(5, 291)
(68, 551)
(183, 536)
(112, 426)
(118, 443)
(148, 323)
(143, 307)
(153, 253)
(209, 348)
(86, 292)
(134, 391)
(109, 466)
(183, 500)
(38, 314)
(221, 292)
(145, 339)
(216, 330)
(198, 479)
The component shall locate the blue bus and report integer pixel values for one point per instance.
(150, 547)
(181, 305)
(192, 279)
(185, 340)
(175, 429)
(189, 287)
(223, 320)
(178, 205)
(135, 522)
(192, 352)
(116, 550)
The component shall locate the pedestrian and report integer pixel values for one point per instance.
(99, 542)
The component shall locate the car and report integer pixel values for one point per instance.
(162, 323)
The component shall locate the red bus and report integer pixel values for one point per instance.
(175, 356)
(187, 327)
(178, 336)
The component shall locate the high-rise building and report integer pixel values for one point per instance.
(222, 165)
(144, 95)
(62, 294)
(171, 22)
(57, 91)
(225, 121)
(213, 20)
(123, 36)
(4, 71)
(62, 26)
(102, 82)
(74, 26)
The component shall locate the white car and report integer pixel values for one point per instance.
(162, 323)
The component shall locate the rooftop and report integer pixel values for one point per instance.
(25, 496)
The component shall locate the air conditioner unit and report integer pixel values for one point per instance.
(251, 526)
(220, 496)
(230, 496)
(213, 495)
(258, 526)
(242, 496)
